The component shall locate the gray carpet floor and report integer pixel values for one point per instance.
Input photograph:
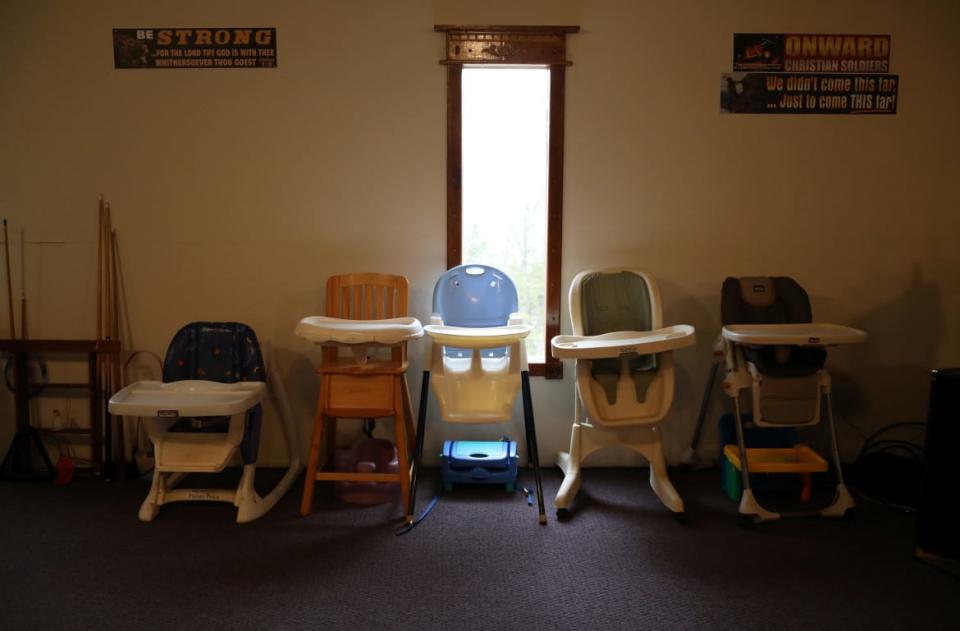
(75, 557)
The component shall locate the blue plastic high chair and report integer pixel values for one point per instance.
(477, 359)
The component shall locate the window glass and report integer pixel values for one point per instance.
(505, 135)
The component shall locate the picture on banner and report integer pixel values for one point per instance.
(817, 93)
(777, 52)
(195, 47)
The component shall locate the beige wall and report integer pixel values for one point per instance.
(236, 193)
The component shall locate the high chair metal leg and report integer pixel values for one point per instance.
(418, 450)
(843, 502)
(530, 432)
(749, 507)
(408, 415)
(403, 451)
(690, 456)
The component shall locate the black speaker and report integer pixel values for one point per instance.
(938, 520)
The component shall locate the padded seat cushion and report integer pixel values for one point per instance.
(772, 300)
(786, 361)
(225, 352)
(764, 300)
(618, 301)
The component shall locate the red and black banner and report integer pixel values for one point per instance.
(778, 52)
(195, 47)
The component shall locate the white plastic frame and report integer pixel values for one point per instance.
(598, 424)
(742, 374)
(176, 456)
(477, 389)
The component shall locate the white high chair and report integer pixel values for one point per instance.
(625, 375)
(366, 313)
(772, 348)
(206, 410)
(477, 359)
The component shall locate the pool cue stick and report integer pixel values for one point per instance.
(107, 289)
(93, 422)
(105, 362)
(6, 251)
(100, 269)
(23, 285)
(117, 381)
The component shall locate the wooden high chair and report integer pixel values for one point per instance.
(357, 386)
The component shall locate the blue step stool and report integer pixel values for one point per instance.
(479, 462)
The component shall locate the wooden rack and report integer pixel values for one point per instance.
(19, 463)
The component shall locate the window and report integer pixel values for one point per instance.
(505, 90)
(505, 136)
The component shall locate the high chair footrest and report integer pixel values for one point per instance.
(797, 459)
(194, 452)
(346, 476)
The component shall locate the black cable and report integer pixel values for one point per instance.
(887, 428)
(873, 448)
(913, 449)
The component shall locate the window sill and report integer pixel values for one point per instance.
(551, 369)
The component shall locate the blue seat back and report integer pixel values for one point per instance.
(475, 296)
(225, 352)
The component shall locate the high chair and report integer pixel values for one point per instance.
(773, 349)
(363, 339)
(206, 410)
(625, 375)
(477, 358)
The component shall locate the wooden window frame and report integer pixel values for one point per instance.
(514, 46)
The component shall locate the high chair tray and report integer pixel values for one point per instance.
(486, 337)
(324, 330)
(186, 398)
(621, 342)
(797, 459)
(809, 334)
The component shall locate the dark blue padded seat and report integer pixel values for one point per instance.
(225, 352)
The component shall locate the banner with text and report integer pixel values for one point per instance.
(195, 47)
(786, 93)
(777, 52)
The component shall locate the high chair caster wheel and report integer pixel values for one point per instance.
(563, 514)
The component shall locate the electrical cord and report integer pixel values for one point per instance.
(901, 461)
